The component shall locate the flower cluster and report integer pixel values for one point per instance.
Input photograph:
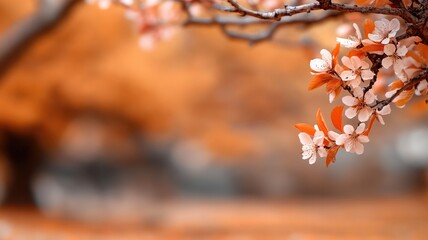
(402, 59)
(157, 20)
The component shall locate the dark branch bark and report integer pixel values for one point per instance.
(17, 38)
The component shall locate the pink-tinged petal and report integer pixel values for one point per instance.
(399, 66)
(365, 65)
(349, 101)
(322, 152)
(313, 159)
(356, 82)
(364, 114)
(411, 72)
(394, 25)
(348, 129)
(389, 49)
(402, 51)
(305, 138)
(382, 25)
(326, 56)
(319, 65)
(387, 62)
(369, 97)
(358, 92)
(385, 110)
(341, 139)
(355, 63)
(375, 37)
(348, 43)
(367, 74)
(386, 40)
(331, 97)
(360, 129)
(363, 139)
(348, 75)
(346, 61)
(306, 155)
(357, 30)
(333, 135)
(380, 119)
(318, 138)
(349, 145)
(358, 148)
(390, 93)
(351, 112)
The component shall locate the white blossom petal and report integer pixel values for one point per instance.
(322, 152)
(389, 49)
(305, 138)
(369, 97)
(313, 159)
(319, 65)
(385, 110)
(348, 129)
(358, 148)
(348, 75)
(364, 114)
(351, 112)
(363, 139)
(349, 101)
(360, 129)
(367, 74)
(341, 139)
(387, 62)
(333, 135)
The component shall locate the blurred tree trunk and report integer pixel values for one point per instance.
(24, 155)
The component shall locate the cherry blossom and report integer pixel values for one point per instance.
(104, 4)
(384, 111)
(384, 30)
(313, 146)
(359, 104)
(352, 139)
(422, 88)
(352, 41)
(395, 55)
(323, 64)
(266, 4)
(358, 70)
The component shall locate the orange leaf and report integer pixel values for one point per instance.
(369, 128)
(333, 85)
(356, 52)
(417, 57)
(405, 96)
(336, 117)
(321, 122)
(331, 155)
(369, 27)
(363, 2)
(318, 81)
(303, 127)
(382, 3)
(335, 52)
(395, 85)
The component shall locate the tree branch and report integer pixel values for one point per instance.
(17, 38)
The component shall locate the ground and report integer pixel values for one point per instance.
(394, 217)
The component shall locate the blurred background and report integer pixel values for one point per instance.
(95, 131)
